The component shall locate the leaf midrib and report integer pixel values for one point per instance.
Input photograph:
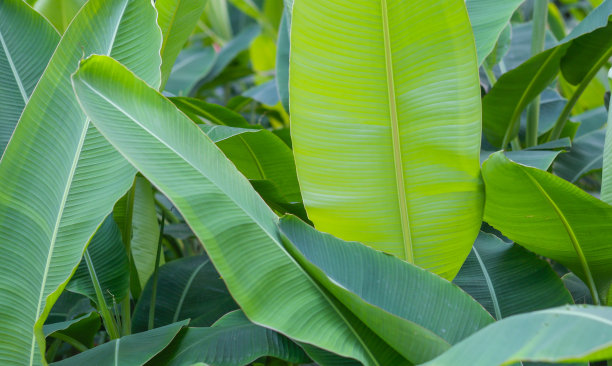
(321, 291)
(179, 306)
(14, 70)
(395, 135)
(490, 286)
(572, 236)
(65, 197)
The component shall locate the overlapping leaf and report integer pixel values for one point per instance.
(385, 125)
(59, 177)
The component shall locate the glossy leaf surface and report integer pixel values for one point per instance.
(386, 126)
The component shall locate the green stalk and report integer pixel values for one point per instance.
(126, 324)
(538, 37)
(109, 323)
(560, 124)
(156, 275)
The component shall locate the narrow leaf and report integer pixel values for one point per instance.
(27, 43)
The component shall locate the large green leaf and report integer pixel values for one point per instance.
(398, 311)
(59, 12)
(59, 177)
(507, 279)
(550, 217)
(385, 122)
(27, 42)
(132, 350)
(191, 66)
(187, 288)
(110, 263)
(176, 18)
(231, 341)
(238, 229)
(572, 333)
(489, 18)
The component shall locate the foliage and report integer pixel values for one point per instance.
(333, 182)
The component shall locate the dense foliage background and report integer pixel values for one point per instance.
(156, 209)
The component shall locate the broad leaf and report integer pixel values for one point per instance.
(72, 177)
(385, 125)
(541, 159)
(507, 279)
(551, 217)
(395, 299)
(218, 203)
(176, 18)
(82, 329)
(572, 333)
(231, 341)
(27, 43)
(110, 263)
(59, 12)
(188, 288)
(133, 350)
(489, 18)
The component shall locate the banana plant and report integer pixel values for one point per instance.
(146, 219)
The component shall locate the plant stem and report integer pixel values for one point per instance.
(156, 275)
(567, 110)
(109, 324)
(515, 144)
(538, 37)
(490, 75)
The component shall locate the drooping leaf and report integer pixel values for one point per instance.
(508, 280)
(176, 18)
(551, 217)
(239, 43)
(572, 333)
(231, 341)
(586, 46)
(580, 291)
(282, 61)
(541, 159)
(191, 66)
(489, 18)
(110, 262)
(72, 177)
(218, 203)
(585, 156)
(201, 112)
(133, 350)
(382, 159)
(27, 43)
(187, 288)
(59, 12)
(514, 90)
(380, 293)
(145, 231)
(82, 329)
(69, 306)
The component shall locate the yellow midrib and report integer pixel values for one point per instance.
(397, 150)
